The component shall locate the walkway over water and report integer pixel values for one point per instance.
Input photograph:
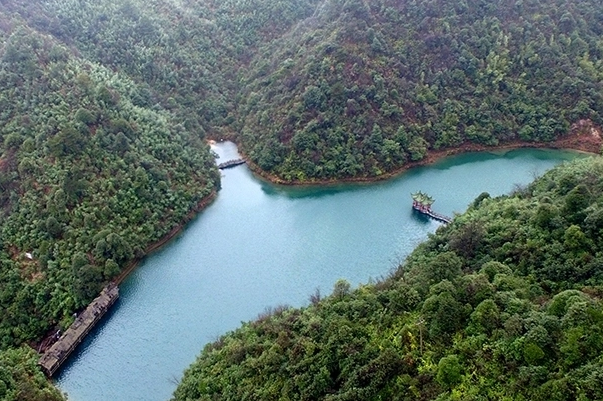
(434, 215)
(421, 202)
(231, 163)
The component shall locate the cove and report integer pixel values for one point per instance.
(259, 246)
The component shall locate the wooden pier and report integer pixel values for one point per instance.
(54, 357)
(436, 216)
(231, 163)
(422, 203)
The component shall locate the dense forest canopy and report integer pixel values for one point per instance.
(89, 178)
(184, 55)
(365, 87)
(333, 89)
(106, 107)
(504, 303)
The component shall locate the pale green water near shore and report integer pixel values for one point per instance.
(260, 246)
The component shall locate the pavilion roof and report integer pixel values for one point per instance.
(422, 198)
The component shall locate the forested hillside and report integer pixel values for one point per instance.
(184, 55)
(504, 303)
(364, 87)
(88, 180)
(339, 89)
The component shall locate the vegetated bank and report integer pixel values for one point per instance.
(330, 89)
(583, 136)
(88, 181)
(504, 302)
(57, 348)
(169, 236)
(365, 88)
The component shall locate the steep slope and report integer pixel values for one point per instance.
(183, 54)
(21, 379)
(88, 180)
(320, 90)
(105, 107)
(504, 303)
(363, 88)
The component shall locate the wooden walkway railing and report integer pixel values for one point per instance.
(434, 215)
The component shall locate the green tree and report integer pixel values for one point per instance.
(449, 371)
(53, 227)
(486, 317)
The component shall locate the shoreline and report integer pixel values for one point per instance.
(202, 204)
(583, 138)
(43, 344)
(590, 142)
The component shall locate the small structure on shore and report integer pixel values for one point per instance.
(422, 203)
(66, 344)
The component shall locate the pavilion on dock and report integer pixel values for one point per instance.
(422, 202)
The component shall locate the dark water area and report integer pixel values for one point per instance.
(259, 246)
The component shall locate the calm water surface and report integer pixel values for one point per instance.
(260, 245)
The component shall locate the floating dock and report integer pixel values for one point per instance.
(54, 357)
(231, 163)
(422, 203)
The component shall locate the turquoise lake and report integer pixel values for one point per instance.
(259, 246)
